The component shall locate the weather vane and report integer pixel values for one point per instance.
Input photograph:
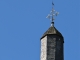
(52, 13)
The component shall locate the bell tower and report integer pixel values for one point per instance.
(52, 41)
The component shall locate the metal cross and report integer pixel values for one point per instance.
(52, 13)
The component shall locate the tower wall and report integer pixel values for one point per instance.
(51, 44)
(44, 48)
(52, 47)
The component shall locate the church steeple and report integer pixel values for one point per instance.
(52, 41)
(52, 29)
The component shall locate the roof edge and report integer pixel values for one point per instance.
(51, 34)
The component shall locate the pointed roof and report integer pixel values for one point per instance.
(50, 31)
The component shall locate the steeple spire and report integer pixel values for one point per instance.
(52, 41)
(52, 14)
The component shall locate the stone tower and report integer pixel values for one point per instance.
(52, 42)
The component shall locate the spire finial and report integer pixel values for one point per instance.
(52, 14)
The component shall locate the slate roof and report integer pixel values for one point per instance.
(52, 30)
